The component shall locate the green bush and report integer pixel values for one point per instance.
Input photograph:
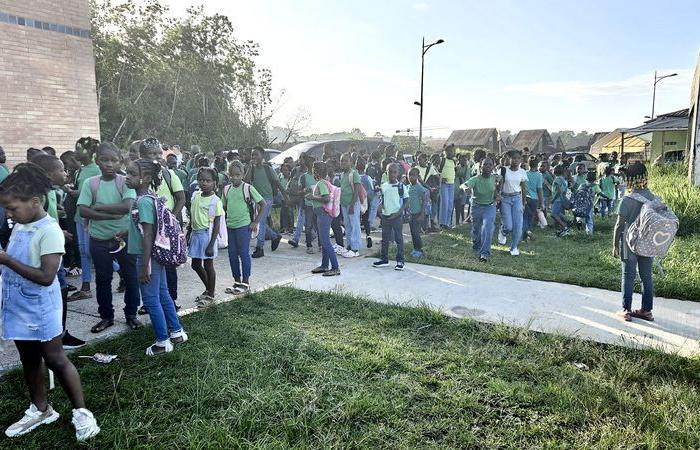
(672, 184)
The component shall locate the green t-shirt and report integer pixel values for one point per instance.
(52, 204)
(47, 240)
(204, 210)
(535, 180)
(579, 180)
(416, 194)
(3, 172)
(107, 194)
(283, 181)
(261, 182)
(607, 186)
(483, 189)
(448, 171)
(182, 175)
(89, 171)
(237, 212)
(548, 180)
(559, 188)
(307, 181)
(321, 188)
(346, 190)
(147, 214)
(391, 200)
(164, 191)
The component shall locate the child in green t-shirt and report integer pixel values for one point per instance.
(416, 203)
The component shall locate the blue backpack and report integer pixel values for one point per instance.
(582, 201)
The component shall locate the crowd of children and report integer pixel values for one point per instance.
(99, 208)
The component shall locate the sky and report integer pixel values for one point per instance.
(509, 64)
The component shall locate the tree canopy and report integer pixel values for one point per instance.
(185, 80)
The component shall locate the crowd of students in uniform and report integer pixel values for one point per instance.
(94, 211)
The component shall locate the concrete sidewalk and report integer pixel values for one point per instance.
(586, 313)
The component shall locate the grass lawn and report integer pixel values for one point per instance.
(289, 368)
(575, 259)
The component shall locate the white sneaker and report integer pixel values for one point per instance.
(501, 237)
(338, 249)
(351, 254)
(85, 424)
(515, 252)
(32, 419)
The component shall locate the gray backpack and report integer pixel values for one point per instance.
(653, 232)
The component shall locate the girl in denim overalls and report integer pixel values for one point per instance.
(31, 300)
(140, 176)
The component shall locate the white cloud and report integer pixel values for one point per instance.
(421, 6)
(579, 91)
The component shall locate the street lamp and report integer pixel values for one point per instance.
(653, 98)
(424, 50)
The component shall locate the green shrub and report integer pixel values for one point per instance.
(672, 184)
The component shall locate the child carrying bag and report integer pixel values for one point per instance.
(169, 241)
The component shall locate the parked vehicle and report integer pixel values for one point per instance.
(315, 148)
(588, 160)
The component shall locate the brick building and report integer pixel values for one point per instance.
(47, 75)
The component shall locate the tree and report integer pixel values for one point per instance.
(185, 80)
(296, 124)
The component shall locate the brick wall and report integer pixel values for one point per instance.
(47, 77)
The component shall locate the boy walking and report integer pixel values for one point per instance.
(416, 201)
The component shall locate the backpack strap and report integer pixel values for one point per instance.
(167, 177)
(442, 164)
(639, 197)
(94, 183)
(120, 182)
(271, 178)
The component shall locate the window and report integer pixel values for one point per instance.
(670, 144)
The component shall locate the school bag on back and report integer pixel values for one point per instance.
(653, 232)
(582, 201)
(246, 196)
(169, 241)
(333, 205)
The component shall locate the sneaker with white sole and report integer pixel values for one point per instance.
(32, 419)
(161, 347)
(351, 254)
(502, 238)
(380, 263)
(399, 266)
(515, 252)
(85, 424)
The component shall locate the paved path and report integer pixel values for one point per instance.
(549, 307)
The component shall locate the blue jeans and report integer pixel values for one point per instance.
(158, 303)
(84, 248)
(104, 272)
(300, 223)
(373, 209)
(416, 225)
(589, 221)
(353, 231)
(265, 232)
(447, 198)
(483, 221)
(392, 230)
(512, 216)
(606, 207)
(286, 217)
(629, 276)
(239, 252)
(558, 209)
(323, 221)
(530, 214)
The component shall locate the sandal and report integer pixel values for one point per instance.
(142, 311)
(231, 289)
(133, 323)
(204, 301)
(625, 315)
(178, 337)
(80, 295)
(643, 314)
(242, 288)
(102, 325)
(75, 272)
(159, 348)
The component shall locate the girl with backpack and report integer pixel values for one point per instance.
(32, 305)
(243, 205)
(205, 218)
(320, 196)
(630, 210)
(142, 176)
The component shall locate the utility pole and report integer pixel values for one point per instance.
(424, 50)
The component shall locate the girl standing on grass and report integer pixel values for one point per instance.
(242, 204)
(31, 300)
(205, 219)
(319, 196)
(140, 176)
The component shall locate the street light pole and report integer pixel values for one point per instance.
(424, 50)
(653, 97)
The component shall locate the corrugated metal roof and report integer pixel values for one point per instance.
(612, 141)
(530, 139)
(472, 137)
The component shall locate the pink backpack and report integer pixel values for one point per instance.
(333, 206)
(169, 242)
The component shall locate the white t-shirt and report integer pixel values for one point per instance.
(46, 241)
(513, 178)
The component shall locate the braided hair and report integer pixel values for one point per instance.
(152, 168)
(87, 145)
(26, 181)
(213, 172)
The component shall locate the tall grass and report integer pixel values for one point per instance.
(672, 184)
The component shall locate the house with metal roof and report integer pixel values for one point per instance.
(620, 142)
(486, 138)
(535, 141)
